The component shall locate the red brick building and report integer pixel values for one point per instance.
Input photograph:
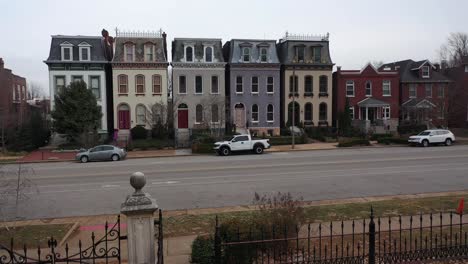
(13, 98)
(423, 92)
(458, 95)
(373, 98)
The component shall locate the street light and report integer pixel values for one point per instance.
(293, 106)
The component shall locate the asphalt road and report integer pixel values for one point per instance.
(74, 189)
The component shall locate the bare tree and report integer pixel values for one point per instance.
(454, 49)
(35, 90)
(214, 117)
(377, 63)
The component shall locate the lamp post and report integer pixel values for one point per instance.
(293, 106)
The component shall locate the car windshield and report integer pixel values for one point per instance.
(424, 133)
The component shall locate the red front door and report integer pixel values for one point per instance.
(124, 119)
(182, 117)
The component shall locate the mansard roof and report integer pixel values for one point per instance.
(179, 44)
(234, 51)
(288, 44)
(96, 43)
(409, 71)
(139, 40)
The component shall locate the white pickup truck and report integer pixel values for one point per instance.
(241, 143)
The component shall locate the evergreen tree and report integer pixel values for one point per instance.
(76, 113)
(345, 127)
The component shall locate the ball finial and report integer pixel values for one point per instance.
(138, 181)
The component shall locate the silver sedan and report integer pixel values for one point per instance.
(102, 152)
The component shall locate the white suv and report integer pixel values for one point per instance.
(433, 136)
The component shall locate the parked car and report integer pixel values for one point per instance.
(102, 152)
(433, 136)
(241, 143)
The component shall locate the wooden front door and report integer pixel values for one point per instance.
(124, 119)
(239, 117)
(182, 118)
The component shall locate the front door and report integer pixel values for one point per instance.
(124, 119)
(182, 118)
(239, 116)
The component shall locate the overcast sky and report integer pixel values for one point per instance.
(360, 30)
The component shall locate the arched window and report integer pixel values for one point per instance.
(293, 84)
(323, 84)
(214, 113)
(157, 84)
(123, 84)
(255, 113)
(189, 54)
(308, 84)
(368, 88)
(199, 114)
(323, 112)
(308, 113)
(270, 113)
(139, 84)
(140, 114)
(208, 54)
(246, 54)
(263, 55)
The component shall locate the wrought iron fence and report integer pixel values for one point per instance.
(374, 240)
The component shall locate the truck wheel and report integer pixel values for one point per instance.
(224, 151)
(258, 149)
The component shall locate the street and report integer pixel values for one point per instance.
(74, 189)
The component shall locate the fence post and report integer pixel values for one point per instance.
(371, 238)
(217, 244)
(139, 208)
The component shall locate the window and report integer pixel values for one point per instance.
(351, 112)
(182, 85)
(199, 114)
(140, 84)
(95, 86)
(246, 54)
(59, 83)
(157, 84)
(441, 111)
(255, 84)
(323, 112)
(77, 78)
(270, 113)
(293, 84)
(386, 112)
(16, 93)
(129, 52)
(263, 55)
(349, 88)
(386, 88)
(189, 54)
(300, 53)
(67, 54)
(239, 88)
(441, 91)
(368, 88)
(308, 84)
(123, 84)
(425, 72)
(214, 84)
(270, 85)
(428, 90)
(412, 91)
(198, 85)
(466, 68)
(140, 115)
(254, 113)
(323, 82)
(214, 113)
(242, 138)
(149, 52)
(317, 56)
(209, 54)
(84, 53)
(308, 113)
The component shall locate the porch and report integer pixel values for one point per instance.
(374, 116)
(417, 111)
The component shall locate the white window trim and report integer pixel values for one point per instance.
(211, 119)
(251, 85)
(428, 72)
(384, 112)
(153, 50)
(242, 85)
(273, 83)
(195, 85)
(365, 89)
(91, 77)
(212, 53)
(81, 53)
(346, 89)
(136, 114)
(270, 121)
(260, 55)
(67, 46)
(250, 54)
(178, 86)
(353, 112)
(252, 112)
(415, 91)
(389, 88)
(196, 122)
(125, 52)
(211, 84)
(193, 52)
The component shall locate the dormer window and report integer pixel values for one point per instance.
(67, 51)
(129, 52)
(246, 54)
(149, 52)
(209, 54)
(263, 54)
(84, 51)
(300, 53)
(189, 54)
(425, 72)
(317, 54)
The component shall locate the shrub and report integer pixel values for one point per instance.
(353, 142)
(139, 132)
(203, 144)
(145, 144)
(391, 140)
(411, 129)
(379, 136)
(202, 250)
(160, 131)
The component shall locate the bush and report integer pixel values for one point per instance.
(321, 133)
(392, 140)
(160, 131)
(353, 142)
(145, 144)
(411, 129)
(139, 132)
(203, 144)
(286, 140)
(379, 136)
(202, 250)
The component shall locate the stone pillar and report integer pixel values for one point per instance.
(139, 208)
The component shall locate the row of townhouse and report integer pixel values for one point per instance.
(251, 83)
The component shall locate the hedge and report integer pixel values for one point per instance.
(145, 144)
(202, 250)
(392, 140)
(139, 132)
(287, 140)
(379, 136)
(354, 142)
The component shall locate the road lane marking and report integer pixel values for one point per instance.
(166, 182)
(110, 186)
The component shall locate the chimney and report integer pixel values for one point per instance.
(437, 66)
(338, 68)
(443, 64)
(164, 35)
(2, 64)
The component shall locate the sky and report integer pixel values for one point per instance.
(361, 31)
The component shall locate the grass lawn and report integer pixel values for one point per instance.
(33, 235)
(198, 224)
